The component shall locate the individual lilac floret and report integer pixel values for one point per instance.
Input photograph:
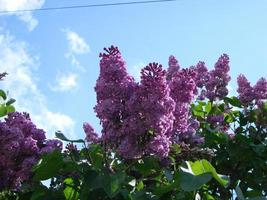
(91, 136)
(216, 87)
(21, 145)
(245, 91)
(173, 67)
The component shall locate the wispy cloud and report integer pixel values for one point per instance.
(65, 82)
(12, 5)
(22, 85)
(76, 46)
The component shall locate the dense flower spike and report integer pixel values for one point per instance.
(173, 67)
(150, 113)
(245, 91)
(113, 88)
(202, 76)
(260, 89)
(216, 87)
(21, 144)
(91, 136)
(183, 86)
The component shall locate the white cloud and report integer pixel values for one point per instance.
(65, 82)
(76, 46)
(22, 86)
(13, 5)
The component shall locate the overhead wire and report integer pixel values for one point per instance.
(86, 6)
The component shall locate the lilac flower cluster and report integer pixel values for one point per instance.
(247, 93)
(145, 118)
(183, 91)
(113, 89)
(21, 144)
(219, 78)
(173, 67)
(213, 83)
(202, 78)
(150, 120)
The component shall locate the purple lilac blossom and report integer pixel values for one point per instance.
(21, 145)
(91, 135)
(173, 67)
(150, 113)
(147, 117)
(216, 87)
(260, 89)
(183, 86)
(202, 79)
(245, 91)
(113, 89)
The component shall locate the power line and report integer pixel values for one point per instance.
(86, 6)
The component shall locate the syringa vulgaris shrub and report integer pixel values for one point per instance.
(169, 136)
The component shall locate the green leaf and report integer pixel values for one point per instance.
(10, 101)
(10, 109)
(3, 110)
(3, 94)
(190, 182)
(208, 107)
(96, 156)
(49, 166)
(204, 166)
(147, 165)
(234, 101)
(140, 186)
(69, 191)
(62, 137)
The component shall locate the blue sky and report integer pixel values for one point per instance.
(52, 56)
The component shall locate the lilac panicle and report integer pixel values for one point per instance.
(245, 91)
(113, 89)
(91, 136)
(260, 89)
(173, 67)
(150, 114)
(183, 86)
(218, 79)
(202, 76)
(21, 144)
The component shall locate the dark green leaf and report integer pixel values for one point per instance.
(190, 182)
(62, 137)
(10, 101)
(49, 166)
(233, 101)
(3, 94)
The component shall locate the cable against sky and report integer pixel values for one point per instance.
(87, 6)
